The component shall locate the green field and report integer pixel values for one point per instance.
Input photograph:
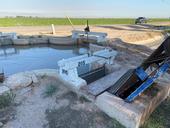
(30, 21)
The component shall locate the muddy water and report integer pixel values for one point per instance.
(14, 59)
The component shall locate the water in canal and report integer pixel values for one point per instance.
(14, 59)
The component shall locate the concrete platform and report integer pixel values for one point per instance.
(97, 87)
(133, 115)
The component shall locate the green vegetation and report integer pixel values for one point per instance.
(160, 117)
(6, 100)
(159, 20)
(50, 90)
(26, 21)
(83, 99)
(168, 31)
(116, 124)
(35, 21)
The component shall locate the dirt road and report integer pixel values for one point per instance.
(127, 33)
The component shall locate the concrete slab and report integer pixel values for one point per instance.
(104, 83)
(20, 41)
(61, 41)
(94, 47)
(133, 115)
(4, 42)
(37, 40)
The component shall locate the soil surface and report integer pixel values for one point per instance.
(64, 109)
(127, 33)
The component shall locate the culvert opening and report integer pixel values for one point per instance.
(123, 87)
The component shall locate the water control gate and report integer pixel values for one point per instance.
(68, 67)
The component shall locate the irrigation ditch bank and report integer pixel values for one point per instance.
(129, 56)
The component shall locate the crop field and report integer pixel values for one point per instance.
(33, 21)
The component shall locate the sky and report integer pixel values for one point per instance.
(86, 8)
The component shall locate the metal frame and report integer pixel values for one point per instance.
(148, 82)
(138, 80)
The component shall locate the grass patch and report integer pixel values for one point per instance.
(159, 20)
(27, 21)
(116, 124)
(160, 117)
(6, 100)
(36, 21)
(83, 99)
(167, 31)
(49, 91)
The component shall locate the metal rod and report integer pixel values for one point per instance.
(70, 22)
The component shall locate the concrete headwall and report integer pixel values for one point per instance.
(38, 40)
(62, 41)
(133, 115)
(4, 42)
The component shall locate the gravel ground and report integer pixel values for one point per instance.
(64, 109)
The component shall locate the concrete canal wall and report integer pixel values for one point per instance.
(31, 40)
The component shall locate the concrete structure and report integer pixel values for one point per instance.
(68, 67)
(133, 115)
(98, 36)
(39, 40)
(61, 41)
(94, 47)
(6, 38)
(20, 41)
(13, 39)
(11, 35)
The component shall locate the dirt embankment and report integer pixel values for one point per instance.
(64, 109)
(127, 33)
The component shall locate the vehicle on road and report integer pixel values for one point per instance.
(141, 20)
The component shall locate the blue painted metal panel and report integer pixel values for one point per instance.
(148, 82)
(141, 73)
